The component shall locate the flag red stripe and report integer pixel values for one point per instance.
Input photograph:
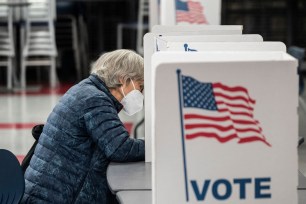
(233, 89)
(221, 128)
(234, 97)
(248, 130)
(196, 116)
(222, 110)
(253, 139)
(186, 17)
(17, 125)
(235, 105)
(212, 135)
(218, 119)
(244, 122)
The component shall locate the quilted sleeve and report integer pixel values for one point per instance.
(107, 130)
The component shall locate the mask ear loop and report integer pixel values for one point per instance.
(122, 91)
(133, 84)
(122, 87)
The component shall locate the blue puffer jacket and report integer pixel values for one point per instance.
(81, 136)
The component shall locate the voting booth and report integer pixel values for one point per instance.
(220, 116)
(225, 127)
(195, 46)
(160, 39)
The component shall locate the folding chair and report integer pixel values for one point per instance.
(299, 54)
(140, 26)
(67, 33)
(11, 178)
(7, 51)
(40, 48)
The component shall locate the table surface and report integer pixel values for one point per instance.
(129, 176)
(140, 197)
(301, 197)
(132, 183)
(302, 182)
(134, 197)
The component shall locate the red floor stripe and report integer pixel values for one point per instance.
(44, 90)
(17, 125)
(20, 158)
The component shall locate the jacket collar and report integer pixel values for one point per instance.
(102, 86)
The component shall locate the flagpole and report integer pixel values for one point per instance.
(178, 71)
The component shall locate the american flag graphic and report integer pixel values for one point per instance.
(190, 11)
(214, 110)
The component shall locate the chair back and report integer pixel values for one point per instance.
(297, 52)
(11, 178)
(6, 31)
(143, 15)
(40, 34)
(39, 10)
(4, 9)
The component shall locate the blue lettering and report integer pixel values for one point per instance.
(187, 49)
(228, 189)
(259, 186)
(242, 183)
(200, 195)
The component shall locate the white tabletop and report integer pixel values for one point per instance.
(134, 197)
(129, 176)
(301, 196)
(302, 182)
(132, 183)
(145, 197)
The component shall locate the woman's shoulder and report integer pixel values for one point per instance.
(86, 92)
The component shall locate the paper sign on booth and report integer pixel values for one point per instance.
(184, 12)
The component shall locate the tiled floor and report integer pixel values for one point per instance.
(18, 114)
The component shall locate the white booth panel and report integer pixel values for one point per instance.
(163, 42)
(212, 38)
(248, 153)
(225, 46)
(198, 29)
(150, 48)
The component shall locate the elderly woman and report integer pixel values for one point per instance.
(83, 134)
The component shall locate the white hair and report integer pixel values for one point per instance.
(119, 64)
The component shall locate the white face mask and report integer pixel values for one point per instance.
(132, 102)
